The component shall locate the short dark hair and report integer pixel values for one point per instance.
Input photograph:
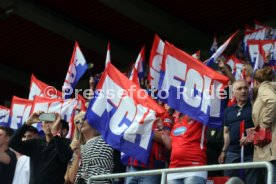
(32, 129)
(64, 124)
(264, 74)
(9, 132)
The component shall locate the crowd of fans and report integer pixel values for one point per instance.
(178, 141)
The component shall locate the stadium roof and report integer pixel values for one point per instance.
(37, 36)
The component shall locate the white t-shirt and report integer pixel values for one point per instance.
(22, 170)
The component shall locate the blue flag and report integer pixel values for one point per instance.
(77, 68)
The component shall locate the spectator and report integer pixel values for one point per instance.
(157, 157)
(22, 171)
(77, 140)
(95, 156)
(49, 156)
(264, 113)
(7, 157)
(214, 136)
(64, 128)
(233, 116)
(187, 142)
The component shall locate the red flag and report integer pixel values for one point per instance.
(39, 88)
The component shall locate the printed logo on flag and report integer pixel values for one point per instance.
(20, 111)
(4, 116)
(123, 119)
(191, 87)
(156, 56)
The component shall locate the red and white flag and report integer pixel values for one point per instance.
(39, 88)
(155, 62)
(4, 116)
(124, 114)
(259, 25)
(138, 69)
(236, 66)
(20, 111)
(65, 107)
(197, 55)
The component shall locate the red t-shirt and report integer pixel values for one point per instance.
(188, 143)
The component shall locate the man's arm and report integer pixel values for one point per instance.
(24, 147)
(225, 145)
(16, 143)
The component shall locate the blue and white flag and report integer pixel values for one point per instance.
(77, 68)
(259, 63)
(124, 114)
(4, 116)
(256, 34)
(191, 87)
(138, 69)
(220, 50)
(214, 46)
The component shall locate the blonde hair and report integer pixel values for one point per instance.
(248, 68)
(78, 117)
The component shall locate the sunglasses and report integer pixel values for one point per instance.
(79, 122)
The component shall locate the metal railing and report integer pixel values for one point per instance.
(164, 172)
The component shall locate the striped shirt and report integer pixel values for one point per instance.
(96, 159)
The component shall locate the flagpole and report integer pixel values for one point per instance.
(242, 124)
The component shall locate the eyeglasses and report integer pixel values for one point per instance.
(79, 122)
